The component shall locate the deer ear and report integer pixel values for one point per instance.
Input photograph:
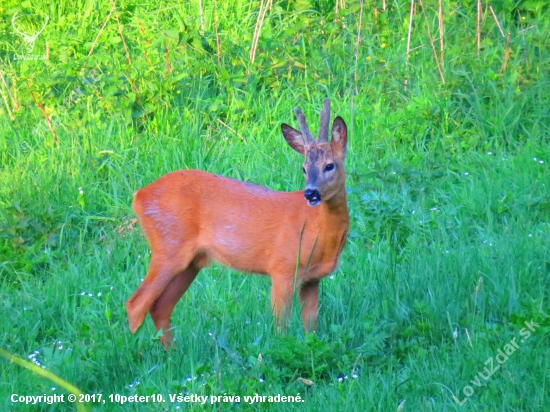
(294, 138)
(339, 136)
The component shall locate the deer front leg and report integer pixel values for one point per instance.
(309, 298)
(281, 299)
(162, 308)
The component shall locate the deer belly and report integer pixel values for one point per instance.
(238, 250)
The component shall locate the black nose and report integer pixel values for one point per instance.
(312, 195)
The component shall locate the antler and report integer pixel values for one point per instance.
(13, 24)
(323, 128)
(325, 120)
(308, 137)
(44, 26)
(25, 35)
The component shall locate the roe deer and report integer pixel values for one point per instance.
(191, 217)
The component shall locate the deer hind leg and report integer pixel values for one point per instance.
(309, 298)
(162, 308)
(162, 271)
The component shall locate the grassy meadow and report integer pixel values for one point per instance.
(439, 302)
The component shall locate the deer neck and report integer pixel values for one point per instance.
(333, 229)
(334, 213)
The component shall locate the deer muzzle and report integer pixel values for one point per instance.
(312, 196)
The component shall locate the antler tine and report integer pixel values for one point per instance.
(308, 137)
(325, 121)
(44, 26)
(14, 17)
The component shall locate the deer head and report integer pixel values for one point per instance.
(324, 161)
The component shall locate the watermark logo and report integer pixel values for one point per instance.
(503, 354)
(29, 29)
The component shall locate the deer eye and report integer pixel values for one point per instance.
(329, 167)
(304, 170)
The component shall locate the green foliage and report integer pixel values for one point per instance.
(311, 358)
(447, 255)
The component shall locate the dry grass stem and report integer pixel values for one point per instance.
(358, 43)
(496, 21)
(121, 35)
(478, 27)
(15, 103)
(506, 54)
(6, 104)
(340, 5)
(422, 45)
(167, 56)
(146, 43)
(527, 28)
(14, 97)
(409, 34)
(264, 4)
(100, 31)
(233, 130)
(432, 42)
(441, 34)
(524, 43)
(478, 287)
(410, 31)
(355, 363)
(469, 339)
(201, 15)
(218, 45)
(98, 35)
(45, 115)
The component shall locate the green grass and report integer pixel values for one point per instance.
(447, 255)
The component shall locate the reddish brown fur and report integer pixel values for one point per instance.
(192, 217)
